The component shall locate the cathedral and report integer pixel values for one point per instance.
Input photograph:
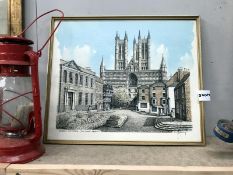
(135, 72)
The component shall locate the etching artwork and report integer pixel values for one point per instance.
(131, 97)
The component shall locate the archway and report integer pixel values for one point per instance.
(133, 80)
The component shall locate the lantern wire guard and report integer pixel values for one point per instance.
(20, 110)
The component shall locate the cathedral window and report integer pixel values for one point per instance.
(65, 76)
(133, 81)
(71, 77)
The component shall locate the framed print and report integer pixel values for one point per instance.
(125, 80)
(10, 17)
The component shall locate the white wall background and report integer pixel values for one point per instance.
(216, 30)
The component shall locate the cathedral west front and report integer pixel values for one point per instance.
(134, 72)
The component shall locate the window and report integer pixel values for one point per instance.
(154, 109)
(177, 95)
(143, 105)
(164, 94)
(153, 101)
(86, 84)
(76, 79)
(86, 99)
(81, 79)
(91, 82)
(91, 99)
(71, 77)
(153, 88)
(65, 76)
(80, 98)
(143, 90)
(143, 97)
(164, 101)
(153, 94)
(183, 91)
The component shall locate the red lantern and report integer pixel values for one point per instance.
(20, 111)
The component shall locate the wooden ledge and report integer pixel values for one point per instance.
(3, 167)
(46, 169)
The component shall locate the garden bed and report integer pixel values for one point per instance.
(81, 120)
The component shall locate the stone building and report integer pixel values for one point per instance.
(180, 82)
(153, 98)
(107, 96)
(99, 93)
(143, 98)
(182, 99)
(79, 88)
(137, 71)
(158, 98)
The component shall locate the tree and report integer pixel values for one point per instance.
(120, 97)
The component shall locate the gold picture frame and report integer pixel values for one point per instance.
(12, 19)
(84, 107)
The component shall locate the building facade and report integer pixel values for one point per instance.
(79, 88)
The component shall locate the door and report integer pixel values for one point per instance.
(70, 100)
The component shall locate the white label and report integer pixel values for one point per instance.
(204, 95)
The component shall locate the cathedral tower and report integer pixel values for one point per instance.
(141, 52)
(121, 52)
(163, 69)
(148, 51)
(102, 69)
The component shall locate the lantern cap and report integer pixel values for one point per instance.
(15, 40)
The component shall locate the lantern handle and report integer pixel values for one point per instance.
(52, 33)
